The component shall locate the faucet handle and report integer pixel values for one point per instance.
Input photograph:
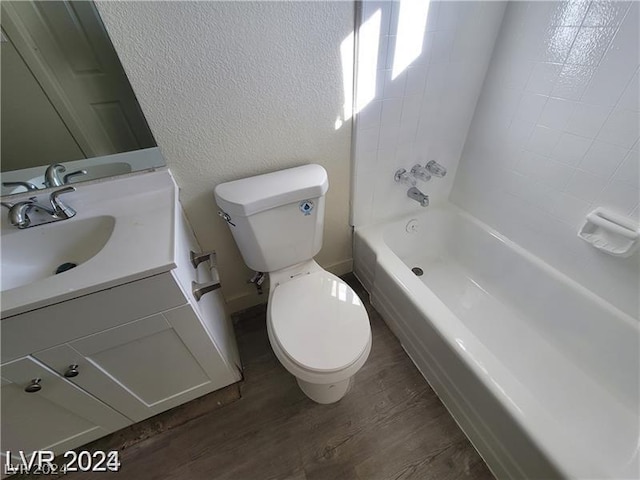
(52, 175)
(60, 209)
(421, 173)
(435, 169)
(402, 176)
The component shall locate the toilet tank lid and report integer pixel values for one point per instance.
(251, 195)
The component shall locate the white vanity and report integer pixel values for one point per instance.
(121, 336)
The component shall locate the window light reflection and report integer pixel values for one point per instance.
(412, 23)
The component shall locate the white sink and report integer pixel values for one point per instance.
(36, 253)
(123, 231)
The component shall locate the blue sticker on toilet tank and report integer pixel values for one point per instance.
(306, 207)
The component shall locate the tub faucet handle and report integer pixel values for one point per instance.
(404, 177)
(435, 169)
(421, 173)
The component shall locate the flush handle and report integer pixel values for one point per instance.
(34, 386)
(72, 371)
(226, 217)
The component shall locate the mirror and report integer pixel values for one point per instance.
(65, 99)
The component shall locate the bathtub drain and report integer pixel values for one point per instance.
(417, 270)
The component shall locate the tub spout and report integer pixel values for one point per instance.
(418, 196)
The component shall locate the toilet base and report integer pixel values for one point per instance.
(327, 392)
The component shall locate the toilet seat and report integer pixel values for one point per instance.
(319, 322)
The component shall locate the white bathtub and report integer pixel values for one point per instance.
(541, 374)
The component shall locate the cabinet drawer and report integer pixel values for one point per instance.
(59, 323)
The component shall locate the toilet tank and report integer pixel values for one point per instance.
(277, 218)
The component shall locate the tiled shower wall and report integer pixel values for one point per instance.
(555, 134)
(424, 113)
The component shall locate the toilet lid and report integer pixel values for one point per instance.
(319, 322)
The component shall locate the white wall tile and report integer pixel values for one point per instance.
(573, 81)
(603, 158)
(621, 128)
(620, 197)
(556, 113)
(585, 186)
(590, 45)
(543, 77)
(530, 107)
(394, 87)
(558, 44)
(416, 79)
(388, 139)
(370, 115)
(629, 171)
(570, 210)
(568, 13)
(619, 63)
(543, 140)
(568, 143)
(391, 111)
(587, 120)
(630, 99)
(607, 13)
(570, 149)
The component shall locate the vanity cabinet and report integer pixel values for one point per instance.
(42, 411)
(116, 356)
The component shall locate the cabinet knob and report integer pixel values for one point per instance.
(34, 386)
(72, 371)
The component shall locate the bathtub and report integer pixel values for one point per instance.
(541, 374)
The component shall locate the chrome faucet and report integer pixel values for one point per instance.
(21, 213)
(418, 196)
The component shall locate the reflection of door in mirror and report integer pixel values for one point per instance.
(65, 95)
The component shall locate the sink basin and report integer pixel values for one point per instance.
(36, 253)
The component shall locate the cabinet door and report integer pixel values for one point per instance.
(140, 369)
(57, 417)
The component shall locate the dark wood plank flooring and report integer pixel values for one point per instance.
(390, 426)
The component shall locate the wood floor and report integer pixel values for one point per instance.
(390, 425)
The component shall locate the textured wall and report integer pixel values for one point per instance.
(424, 112)
(232, 89)
(555, 134)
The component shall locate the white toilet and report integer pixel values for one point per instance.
(317, 325)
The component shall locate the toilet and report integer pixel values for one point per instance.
(317, 325)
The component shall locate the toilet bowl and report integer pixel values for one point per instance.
(318, 327)
(319, 330)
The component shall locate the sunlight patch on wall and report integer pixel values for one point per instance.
(346, 55)
(368, 44)
(412, 22)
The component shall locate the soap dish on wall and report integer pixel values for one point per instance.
(610, 232)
